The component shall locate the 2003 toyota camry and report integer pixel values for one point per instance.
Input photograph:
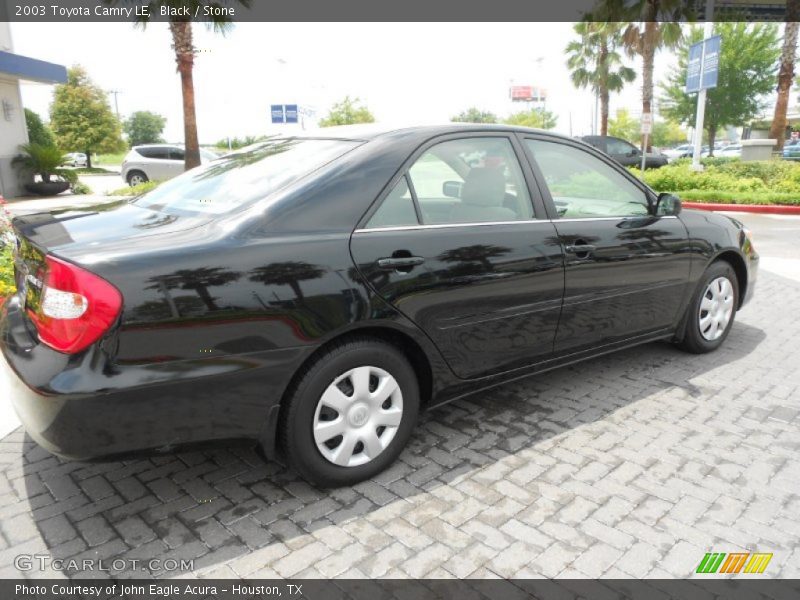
(314, 293)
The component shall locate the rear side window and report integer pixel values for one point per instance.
(177, 154)
(244, 177)
(397, 209)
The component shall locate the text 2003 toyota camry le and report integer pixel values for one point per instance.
(314, 293)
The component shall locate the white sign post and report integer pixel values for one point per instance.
(647, 129)
(708, 29)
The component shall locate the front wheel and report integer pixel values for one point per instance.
(711, 312)
(350, 414)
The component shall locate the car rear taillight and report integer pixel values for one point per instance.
(76, 308)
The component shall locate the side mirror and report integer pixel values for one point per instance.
(667, 205)
(452, 189)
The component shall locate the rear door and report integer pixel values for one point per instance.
(177, 162)
(626, 270)
(455, 244)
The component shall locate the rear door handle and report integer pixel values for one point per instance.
(400, 263)
(581, 250)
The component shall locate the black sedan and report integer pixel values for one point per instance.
(314, 293)
(626, 153)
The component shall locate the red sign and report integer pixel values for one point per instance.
(527, 93)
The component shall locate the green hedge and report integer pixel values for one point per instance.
(729, 181)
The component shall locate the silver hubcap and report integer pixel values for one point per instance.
(357, 416)
(136, 180)
(716, 308)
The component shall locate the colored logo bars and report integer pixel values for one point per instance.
(735, 562)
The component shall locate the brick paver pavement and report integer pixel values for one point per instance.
(631, 465)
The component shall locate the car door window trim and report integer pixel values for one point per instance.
(488, 223)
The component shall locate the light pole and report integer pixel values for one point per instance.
(116, 103)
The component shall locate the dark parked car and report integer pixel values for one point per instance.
(624, 152)
(314, 293)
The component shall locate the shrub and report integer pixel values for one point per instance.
(135, 190)
(731, 179)
(79, 188)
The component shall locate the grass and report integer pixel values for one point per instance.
(109, 159)
(135, 190)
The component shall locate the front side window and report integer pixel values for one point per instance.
(244, 177)
(470, 180)
(583, 186)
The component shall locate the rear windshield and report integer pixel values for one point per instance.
(238, 179)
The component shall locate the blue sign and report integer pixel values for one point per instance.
(284, 113)
(702, 70)
(711, 63)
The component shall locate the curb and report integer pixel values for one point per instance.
(771, 209)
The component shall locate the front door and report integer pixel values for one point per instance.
(455, 246)
(626, 270)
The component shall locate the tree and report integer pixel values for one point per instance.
(38, 132)
(786, 72)
(475, 115)
(289, 273)
(747, 65)
(180, 27)
(144, 127)
(347, 112)
(665, 132)
(624, 125)
(594, 62)
(538, 118)
(655, 25)
(81, 118)
(199, 280)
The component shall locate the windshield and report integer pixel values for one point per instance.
(243, 177)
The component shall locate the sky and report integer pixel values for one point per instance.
(406, 73)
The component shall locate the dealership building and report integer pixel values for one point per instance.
(15, 68)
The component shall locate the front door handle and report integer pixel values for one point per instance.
(581, 250)
(400, 263)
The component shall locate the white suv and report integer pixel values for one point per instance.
(157, 162)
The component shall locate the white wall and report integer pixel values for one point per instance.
(13, 131)
(5, 36)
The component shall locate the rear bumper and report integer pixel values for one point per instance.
(84, 406)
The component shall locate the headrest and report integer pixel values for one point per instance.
(484, 186)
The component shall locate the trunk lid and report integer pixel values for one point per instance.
(78, 234)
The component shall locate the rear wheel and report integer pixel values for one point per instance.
(136, 178)
(350, 414)
(711, 312)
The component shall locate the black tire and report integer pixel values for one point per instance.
(295, 427)
(693, 340)
(140, 174)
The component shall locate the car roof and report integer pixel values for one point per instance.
(372, 131)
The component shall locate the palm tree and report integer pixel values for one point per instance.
(289, 273)
(786, 73)
(654, 24)
(183, 45)
(198, 280)
(594, 62)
